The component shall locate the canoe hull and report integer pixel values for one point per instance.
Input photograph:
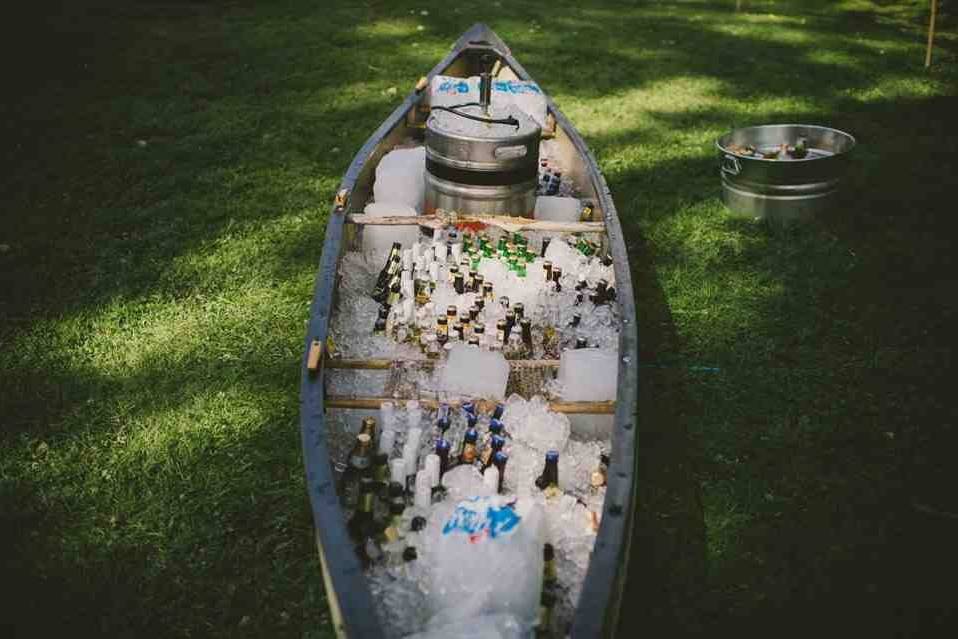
(347, 590)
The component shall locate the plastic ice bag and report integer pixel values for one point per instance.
(486, 558)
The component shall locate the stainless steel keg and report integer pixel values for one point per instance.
(481, 160)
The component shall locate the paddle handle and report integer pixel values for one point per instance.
(931, 32)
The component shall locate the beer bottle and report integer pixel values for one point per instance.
(381, 475)
(382, 289)
(442, 326)
(576, 318)
(499, 460)
(547, 270)
(394, 294)
(369, 427)
(520, 310)
(548, 481)
(587, 207)
(360, 525)
(600, 475)
(393, 530)
(471, 419)
(487, 294)
(556, 277)
(601, 288)
(496, 444)
(357, 466)
(545, 246)
(442, 419)
(469, 451)
(526, 324)
(550, 592)
(442, 450)
(384, 274)
(397, 495)
(501, 334)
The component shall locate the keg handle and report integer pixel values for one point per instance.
(731, 165)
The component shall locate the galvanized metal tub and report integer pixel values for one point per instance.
(474, 167)
(788, 189)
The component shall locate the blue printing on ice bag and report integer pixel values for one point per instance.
(508, 86)
(454, 86)
(494, 522)
(504, 86)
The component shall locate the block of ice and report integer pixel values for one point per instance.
(558, 209)
(588, 374)
(497, 543)
(377, 240)
(400, 177)
(475, 372)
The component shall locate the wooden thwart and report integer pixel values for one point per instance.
(381, 364)
(373, 403)
(506, 222)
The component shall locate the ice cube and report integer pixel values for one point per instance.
(463, 481)
(589, 374)
(378, 240)
(532, 423)
(558, 209)
(475, 372)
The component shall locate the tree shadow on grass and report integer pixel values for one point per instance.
(829, 417)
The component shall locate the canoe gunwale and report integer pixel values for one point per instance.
(351, 595)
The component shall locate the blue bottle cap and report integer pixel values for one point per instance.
(443, 424)
(469, 408)
(499, 458)
(471, 436)
(552, 455)
(497, 413)
(472, 419)
(442, 446)
(497, 442)
(495, 426)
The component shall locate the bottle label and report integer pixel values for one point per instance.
(482, 518)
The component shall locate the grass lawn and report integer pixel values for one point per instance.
(167, 170)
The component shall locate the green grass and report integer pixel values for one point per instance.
(167, 172)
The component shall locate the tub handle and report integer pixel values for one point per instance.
(730, 165)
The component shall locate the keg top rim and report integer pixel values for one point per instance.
(442, 122)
